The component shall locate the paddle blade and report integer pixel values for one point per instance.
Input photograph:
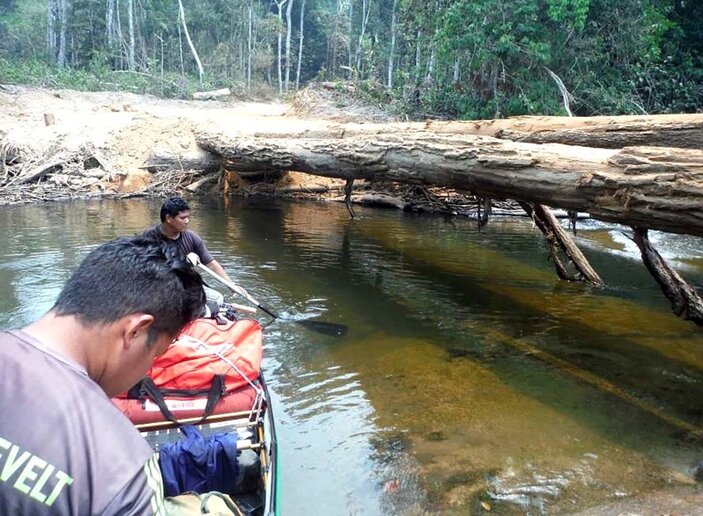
(326, 328)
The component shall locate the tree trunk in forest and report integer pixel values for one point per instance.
(300, 45)
(131, 65)
(418, 40)
(120, 37)
(348, 41)
(289, 32)
(250, 43)
(141, 25)
(62, 58)
(110, 32)
(430, 65)
(182, 16)
(391, 54)
(280, 5)
(52, 26)
(365, 12)
(658, 188)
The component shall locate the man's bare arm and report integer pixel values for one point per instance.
(215, 267)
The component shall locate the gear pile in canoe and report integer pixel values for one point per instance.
(205, 408)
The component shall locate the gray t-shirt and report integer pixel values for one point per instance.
(188, 242)
(65, 449)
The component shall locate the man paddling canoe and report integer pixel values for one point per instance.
(175, 217)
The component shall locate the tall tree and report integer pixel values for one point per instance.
(52, 27)
(391, 53)
(62, 57)
(280, 4)
(182, 17)
(130, 18)
(301, 38)
(289, 29)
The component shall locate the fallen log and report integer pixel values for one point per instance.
(608, 132)
(197, 185)
(657, 188)
(167, 159)
(210, 95)
(37, 172)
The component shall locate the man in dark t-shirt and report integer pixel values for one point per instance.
(175, 216)
(65, 449)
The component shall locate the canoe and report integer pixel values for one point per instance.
(245, 414)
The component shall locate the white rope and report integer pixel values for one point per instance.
(258, 401)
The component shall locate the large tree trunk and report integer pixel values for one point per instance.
(182, 16)
(110, 31)
(280, 5)
(131, 63)
(52, 30)
(64, 10)
(614, 132)
(289, 32)
(657, 188)
(391, 52)
(301, 39)
(365, 12)
(250, 26)
(685, 131)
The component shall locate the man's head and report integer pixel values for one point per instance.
(175, 213)
(139, 292)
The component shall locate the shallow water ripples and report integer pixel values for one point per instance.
(325, 422)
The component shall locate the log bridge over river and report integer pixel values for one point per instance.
(645, 172)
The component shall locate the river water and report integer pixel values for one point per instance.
(471, 379)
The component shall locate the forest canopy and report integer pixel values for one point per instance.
(442, 58)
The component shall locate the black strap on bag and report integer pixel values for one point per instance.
(147, 389)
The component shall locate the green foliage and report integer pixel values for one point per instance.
(571, 13)
(452, 58)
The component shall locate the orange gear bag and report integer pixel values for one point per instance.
(207, 362)
(205, 349)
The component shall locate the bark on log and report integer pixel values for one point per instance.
(611, 132)
(685, 301)
(657, 188)
(685, 131)
(165, 159)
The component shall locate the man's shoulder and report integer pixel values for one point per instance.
(191, 235)
(153, 232)
(100, 448)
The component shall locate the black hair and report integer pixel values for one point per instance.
(173, 206)
(134, 275)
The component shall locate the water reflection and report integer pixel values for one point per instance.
(471, 378)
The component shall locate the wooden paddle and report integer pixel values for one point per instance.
(326, 328)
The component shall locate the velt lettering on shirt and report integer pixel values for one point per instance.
(64, 447)
(31, 474)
